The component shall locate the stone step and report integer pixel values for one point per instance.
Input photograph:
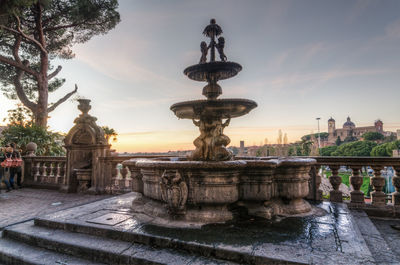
(14, 252)
(222, 252)
(100, 249)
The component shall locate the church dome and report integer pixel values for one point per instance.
(349, 123)
(331, 119)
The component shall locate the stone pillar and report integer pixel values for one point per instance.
(315, 181)
(85, 143)
(396, 184)
(335, 180)
(356, 196)
(378, 197)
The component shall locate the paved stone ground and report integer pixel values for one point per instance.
(23, 204)
(329, 239)
(391, 236)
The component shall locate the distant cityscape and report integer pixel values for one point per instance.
(348, 132)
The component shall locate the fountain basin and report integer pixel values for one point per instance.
(221, 108)
(207, 192)
(217, 70)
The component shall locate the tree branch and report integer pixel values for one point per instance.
(17, 65)
(17, 44)
(29, 38)
(61, 100)
(53, 74)
(20, 91)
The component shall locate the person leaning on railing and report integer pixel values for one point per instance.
(17, 165)
(3, 166)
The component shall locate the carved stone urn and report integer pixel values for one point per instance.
(84, 105)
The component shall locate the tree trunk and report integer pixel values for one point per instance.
(41, 112)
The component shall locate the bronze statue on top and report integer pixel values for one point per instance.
(212, 31)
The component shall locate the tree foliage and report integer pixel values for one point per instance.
(110, 133)
(35, 32)
(372, 136)
(358, 148)
(327, 150)
(323, 135)
(21, 131)
(338, 141)
(350, 139)
(385, 149)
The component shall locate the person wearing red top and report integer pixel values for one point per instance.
(16, 170)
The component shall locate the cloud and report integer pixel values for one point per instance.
(311, 80)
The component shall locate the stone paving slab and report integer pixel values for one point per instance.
(381, 239)
(24, 204)
(330, 239)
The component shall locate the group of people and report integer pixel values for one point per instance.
(10, 162)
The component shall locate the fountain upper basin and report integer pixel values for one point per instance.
(220, 70)
(221, 108)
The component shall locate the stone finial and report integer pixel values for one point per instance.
(85, 131)
(31, 149)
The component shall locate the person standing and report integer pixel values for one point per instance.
(3, 169)
(17, 165)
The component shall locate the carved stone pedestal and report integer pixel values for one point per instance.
(336, 196)
(83, 176)
(356, 197)
(85, 143)
(378, 198)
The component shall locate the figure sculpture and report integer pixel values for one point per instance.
(212, 31)
(204, 51)
(220, 48)
(211, 144)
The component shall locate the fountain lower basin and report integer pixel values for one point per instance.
(211, 192)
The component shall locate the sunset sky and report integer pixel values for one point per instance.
(301, 60)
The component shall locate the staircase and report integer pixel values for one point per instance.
(28, 243)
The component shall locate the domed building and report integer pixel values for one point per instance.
(350, 130)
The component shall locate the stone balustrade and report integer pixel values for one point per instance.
(377, 182)
(119, 179)
(50, 172)
(44, 171)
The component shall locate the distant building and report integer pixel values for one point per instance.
(241, 149)
(350, 130)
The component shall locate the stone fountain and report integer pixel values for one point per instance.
(210, 185)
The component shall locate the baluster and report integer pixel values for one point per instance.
(396, 184)
(315, 181)
(356, 180)
(36, 169)
(64, 173)
(335, 180)
(51, 176)
(378, 197)
(43, 172)
(57, 173)
(128, 179)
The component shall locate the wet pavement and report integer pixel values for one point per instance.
(333, 238)
(23, 204)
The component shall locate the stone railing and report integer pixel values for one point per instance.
(50, 172)
(44, 171)
(118, 179)
(377, 182)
